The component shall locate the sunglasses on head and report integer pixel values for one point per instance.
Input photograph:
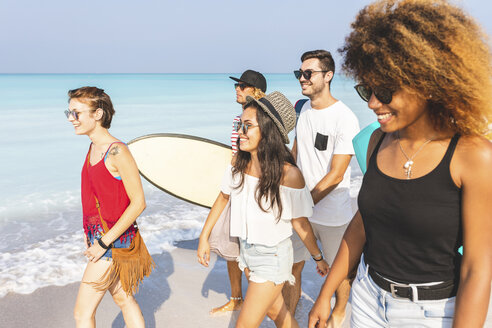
(238, 125)
(384, 95)
(306, 74)
(241, 86)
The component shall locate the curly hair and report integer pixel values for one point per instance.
(430, 48)
(257, 93)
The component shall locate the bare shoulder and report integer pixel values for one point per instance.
(473, 156)
(474, 150)
(119, 151)
(292, 177)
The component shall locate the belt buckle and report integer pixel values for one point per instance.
(393, 287)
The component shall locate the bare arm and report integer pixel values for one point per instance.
(124, 164)
(203, 250)
(339, 164)
(347, 258)
(305, 232)
(473, 167)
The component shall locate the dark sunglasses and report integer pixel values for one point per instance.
(384, 95)
(307, 74)
(241, 86)
(238, 125)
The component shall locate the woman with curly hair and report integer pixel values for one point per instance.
(268, 198)
(425, 69)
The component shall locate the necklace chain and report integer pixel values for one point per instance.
(408, 164)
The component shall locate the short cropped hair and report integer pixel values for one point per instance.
(325, 59)
(430, 48)
(95, 98)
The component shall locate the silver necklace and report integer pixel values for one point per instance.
(408, 165)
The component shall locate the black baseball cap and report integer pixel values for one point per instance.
(253, 78)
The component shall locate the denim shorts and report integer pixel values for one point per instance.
(267, 263)
(108, 255)
(372, 306)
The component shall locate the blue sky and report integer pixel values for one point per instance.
(161, 36)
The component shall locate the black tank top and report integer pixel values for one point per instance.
(413, 227)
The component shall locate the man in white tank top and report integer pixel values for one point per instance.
(323, 149)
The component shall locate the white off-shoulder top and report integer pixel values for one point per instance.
(250, 223)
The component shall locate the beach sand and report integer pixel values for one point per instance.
(179, 293)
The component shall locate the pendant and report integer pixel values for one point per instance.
(408, 168)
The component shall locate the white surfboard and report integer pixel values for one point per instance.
(187, 167)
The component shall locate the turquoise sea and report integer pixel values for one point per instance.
(41, 160)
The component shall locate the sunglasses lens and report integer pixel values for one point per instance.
(297, 74)
(307, 75)
(385, 96)
(73, 113)
(237, 126)
(364, 92)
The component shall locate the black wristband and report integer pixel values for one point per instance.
(321, 259)
(103, 245)
(317, 260)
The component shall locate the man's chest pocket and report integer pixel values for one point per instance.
(321, 141)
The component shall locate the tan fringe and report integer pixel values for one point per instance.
(130, 265)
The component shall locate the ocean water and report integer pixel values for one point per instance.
(41, 159)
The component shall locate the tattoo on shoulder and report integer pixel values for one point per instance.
(115, 151)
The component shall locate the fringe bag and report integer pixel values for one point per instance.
(130, 264)
(220, 238)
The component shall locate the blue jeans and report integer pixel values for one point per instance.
(375, 307)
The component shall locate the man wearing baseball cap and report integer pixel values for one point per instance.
(252, 84)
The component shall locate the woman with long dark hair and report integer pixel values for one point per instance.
(425, 70)
(268, 198)
(112, 199)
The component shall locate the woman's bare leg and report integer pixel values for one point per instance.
(129, 307)
(264, 299)
(88, 297)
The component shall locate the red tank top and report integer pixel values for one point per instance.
(113, 200)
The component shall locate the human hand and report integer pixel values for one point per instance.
(94, 252)
(203, 252)
(322, 267)
(320, 312)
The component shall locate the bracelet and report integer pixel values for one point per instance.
(236, 298)
(318, 257)
(103, 245)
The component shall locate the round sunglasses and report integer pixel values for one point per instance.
(238, 125)
(384, 95)
(75, 114)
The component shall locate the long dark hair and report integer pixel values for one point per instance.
(272, 154)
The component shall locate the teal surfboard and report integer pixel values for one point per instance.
(361, 142)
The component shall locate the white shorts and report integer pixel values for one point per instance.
(329, 237)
